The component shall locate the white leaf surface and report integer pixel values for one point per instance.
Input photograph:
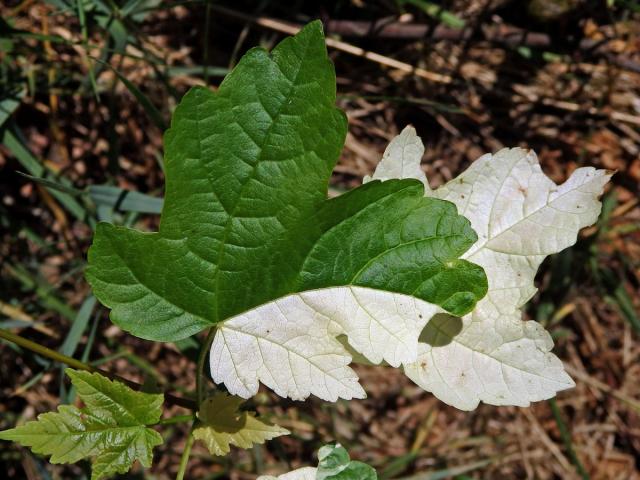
(401, 159)
(306, 473)
(498, 359)
(520, 216)
(291, 346)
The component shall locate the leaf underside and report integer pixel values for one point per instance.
(246, 218)
(111, 428)
(305, 473)
(521, 216)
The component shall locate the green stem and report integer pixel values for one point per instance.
(45, 352)
(566, 439)
(207, 29)
(202, 357)
(176, 419)
(184, 460)
(77, 364)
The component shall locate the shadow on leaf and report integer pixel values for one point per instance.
(441, 330)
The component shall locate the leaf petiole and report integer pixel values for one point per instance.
(176, 419)
(184, 459)
(202, 357)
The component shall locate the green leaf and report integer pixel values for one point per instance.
(246, 218)
(335, 464)
(222, 425)
(112, 427)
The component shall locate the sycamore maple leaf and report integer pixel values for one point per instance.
(521, 216)
(249, 242)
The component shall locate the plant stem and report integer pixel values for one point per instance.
(205, 55)
(77, 364)
(45, 352)
(184, 460)
(200, 367)
(176, 419)
(566, 439)
(200, 394)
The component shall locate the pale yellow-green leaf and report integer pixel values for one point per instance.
(223, 424)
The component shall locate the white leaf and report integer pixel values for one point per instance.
(498, 359)
(306, 473)
(521, 216)
(290, 344)
(401, 159)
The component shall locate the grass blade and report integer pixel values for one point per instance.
(78, 327)
(124, 200)
(150, 109)
(566, 439)
(19, 150)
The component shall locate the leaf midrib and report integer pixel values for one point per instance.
(80, 433)
(478, 247)
(227, 229)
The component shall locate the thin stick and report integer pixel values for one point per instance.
(72, 362)
(289, 29)
(593, 382)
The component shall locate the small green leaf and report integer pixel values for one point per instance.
(335, 464)
(112, 427)
(222, 425)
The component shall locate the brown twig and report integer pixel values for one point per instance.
(292, 29)
(506, 35)
(595, 383)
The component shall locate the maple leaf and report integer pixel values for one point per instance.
(222, 424)
(112, 427)
(248, 240)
